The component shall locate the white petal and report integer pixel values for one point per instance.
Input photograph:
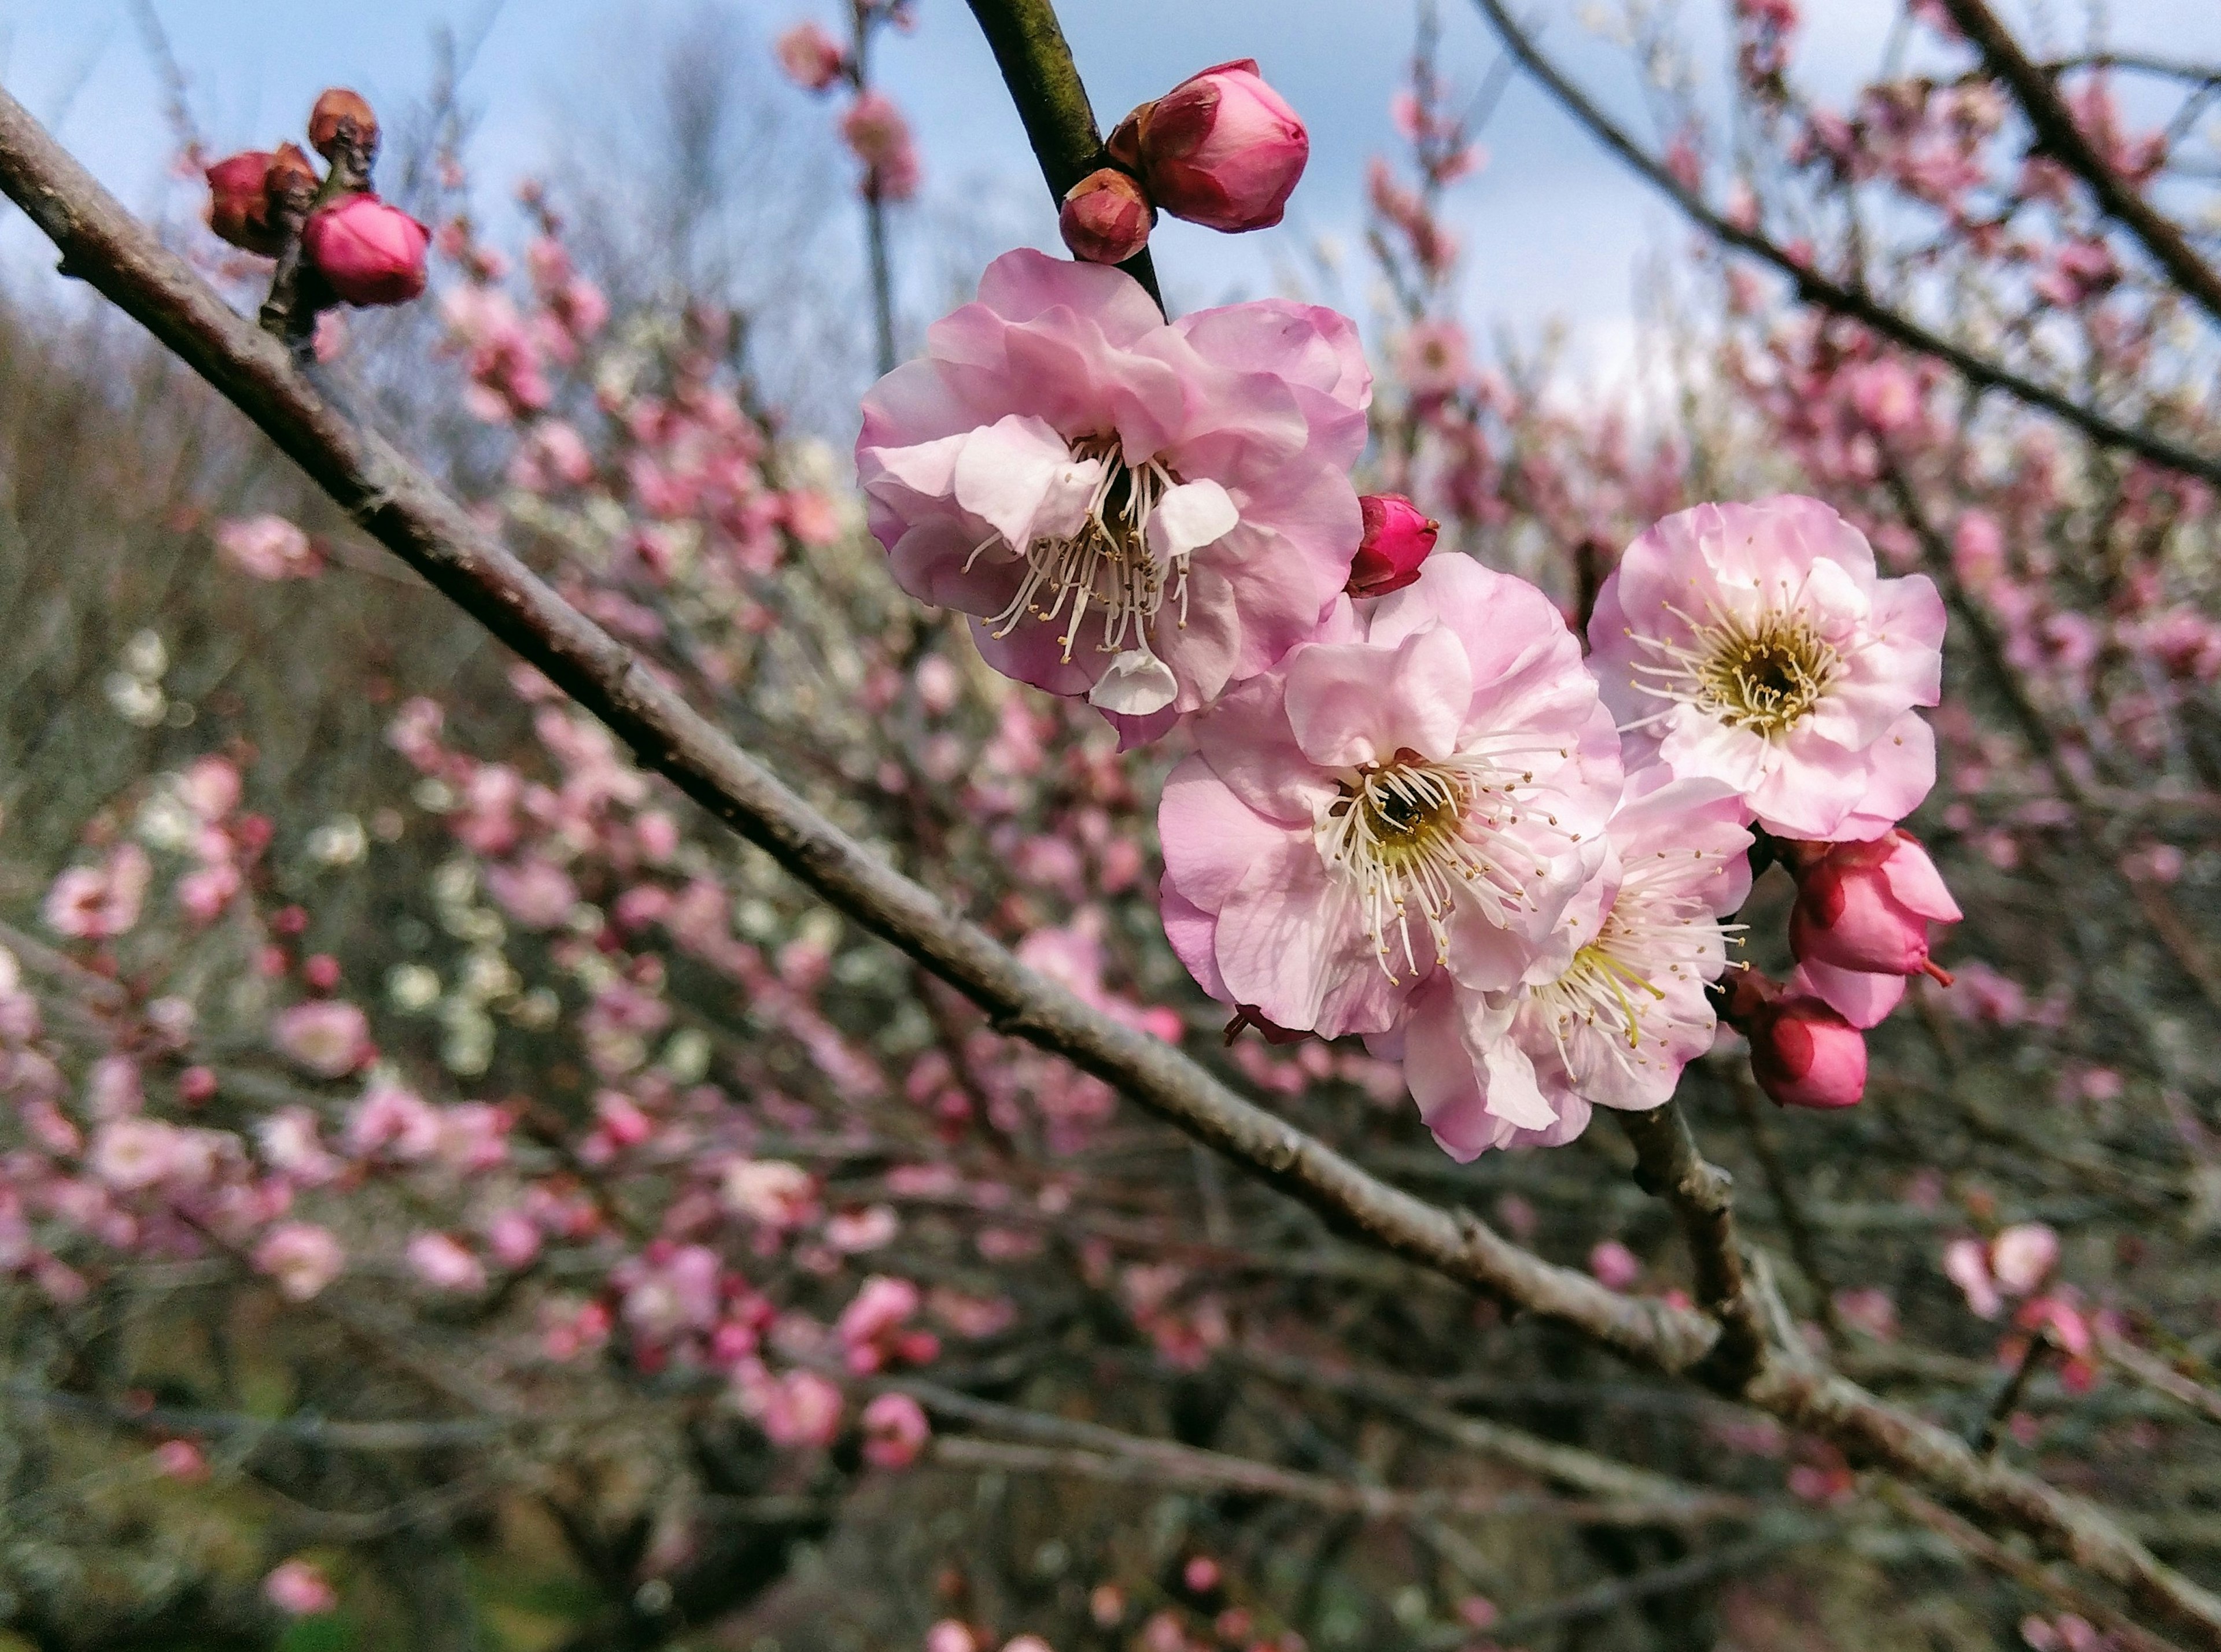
(1189, 517)
(925, 468)
(1007, 471)
(1137, 683)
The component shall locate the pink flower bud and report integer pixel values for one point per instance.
(878, 137)
(1398, 537)
(895, 1432)
(1221, 149)
(1867, 907)
(1804, 1055)
(298, 1590)
(1106, 217)
(370, 252)
(239, 201)
(809, 57)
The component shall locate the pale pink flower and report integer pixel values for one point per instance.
(801, 1409)
(514, 1238)
(290, 1146)
(1614, 1265)
(1754, 645)
(869, 1326)
(267, 548)
(298, 1589)
(181, 1460)
(130, 1154)
(445, 1265)
(209, 787)
(205, 892)
(770, 1191)
(1424, 788)
(1967, 1264)
(809, 57)
(301, 1256)
(89, 903)
(950, 1636)
(1613, 1004)
(2021, 1256)
(395, 1122)
(877, 134)
(1162, 512)
(676, 1292)
(473, 1137)
(895, 1432)
(853, 1232)
(535, 892)
(1434, 358)
(327, 1037)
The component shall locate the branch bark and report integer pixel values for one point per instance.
(2059, 136)
(398, 505)
(1816, 288)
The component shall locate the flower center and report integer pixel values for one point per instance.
(1763, 675)
(1108, 565)
(1408, 835)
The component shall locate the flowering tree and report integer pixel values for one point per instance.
(625, 1176)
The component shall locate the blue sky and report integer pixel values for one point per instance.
(1553, 230)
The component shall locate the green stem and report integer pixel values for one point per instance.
(1037, 64)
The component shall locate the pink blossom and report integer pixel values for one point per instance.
(1967, 1264)
(298, 1589)
(130, 1154)
(1615, 1266)
(1398, 537)
(267, 548)
(675, 1292)
(99, 903)
(205, 892)
(868, 1326)
(799, 1410)
(770, 1191)
(513, 1237)
(1222, 149)
(444, 1265)
(328, 1037)
(368, 252)
(182, 1460)
(290, 1146)
(395, 1122)
(809, 57)
(211, 787)
(301, 1256)
(877, 134)
(895, 1432)
(1434, 358)
(1164, 514)
(535, 892)
(1423, 788)
(1978, 549)
(1754, 645)
(855, 1232)
(1805, 1055)
(1861, 923)
(1611, 1006)
(2021, 1256)
(949, 1636)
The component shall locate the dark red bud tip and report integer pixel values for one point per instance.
(1398, 537)
(1106, 217)
(341, 116)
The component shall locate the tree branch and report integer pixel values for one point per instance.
(1702, 1197)
(399, 506)
(1037, 64)
(2060, 136)
(1816, 288)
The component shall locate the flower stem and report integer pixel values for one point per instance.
(1037, 64)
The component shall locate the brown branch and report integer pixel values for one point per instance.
(2158, 1376)
(1702, 1197)
(399, 506)
(2060, 136)
(1816, 288)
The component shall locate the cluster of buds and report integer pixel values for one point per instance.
(874, 127)
(1858, 930)
(361, 249)
(1222, 149)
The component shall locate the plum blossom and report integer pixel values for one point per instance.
(88, 903)
(809, 57)
(1613, 1005)
(267, 548)
(297, 1589)
(327, 1037)
(445, 1265)
(770, 1191)
(301, 1256)
(895, 1432)
(1752, 644)
(1138, 512)
(1424, 788)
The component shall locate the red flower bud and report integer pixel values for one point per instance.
(1398, 538)
(341, 115)
(1221, 149)
(1804, 1055)
(370, 252)
(1867, 907)
(809, 57)
(239, 201)
(1106, 217)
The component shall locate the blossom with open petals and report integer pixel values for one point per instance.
(1754, 644)
(1424, 788)
(1139, 512)
(1613, 1006)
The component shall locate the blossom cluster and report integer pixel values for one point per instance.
(873, 126)
(1415, 813)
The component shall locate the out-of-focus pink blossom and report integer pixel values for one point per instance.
(535, 891)
(949, 1636)
(1222, 149)
(395, 1123)
(99, 903)
(877, 134)
(809, 57)
(770, 1191)
(1967, 1264)
(182, 1460)
(328, 1037)
(301, 1256)
(1615, 1267)
(895, 1431)
(297, 1589)
(2021, 1256)
(444, 1264)
(1754, 645)
(801, 1409)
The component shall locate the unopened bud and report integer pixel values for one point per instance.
(1106, 217)
(1398, 537)
(368, 251)
(239, 201)
(291, 174)
(811, 58)
(1867, 907)
(339, 117)
(1804, 1055)
(1222, 149)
